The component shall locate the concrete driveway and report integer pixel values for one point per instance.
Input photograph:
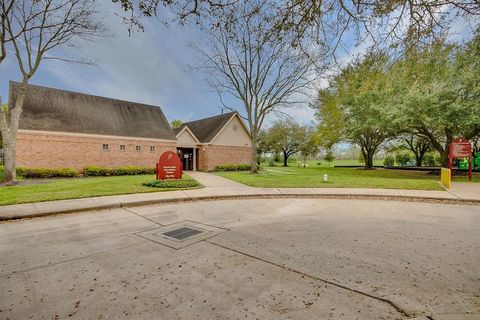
(254, 259)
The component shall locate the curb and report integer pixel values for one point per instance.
(471, 202)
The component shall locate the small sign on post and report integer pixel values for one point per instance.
(169, 166)
(461, 148)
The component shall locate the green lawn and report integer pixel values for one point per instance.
(295, 177)
(73, 188)
(323, 163)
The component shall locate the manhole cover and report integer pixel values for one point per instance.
(182, 233)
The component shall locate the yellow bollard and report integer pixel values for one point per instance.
(446, 178)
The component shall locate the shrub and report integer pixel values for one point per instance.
(429, 160)
(389, 161)
(232, 167)
(271, 164)
(402, 158)
(173, 184)
(32, 173)
(94, 171)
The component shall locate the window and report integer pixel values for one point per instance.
(105, 146)
(152, 148)
(138, 148)
(122, 147)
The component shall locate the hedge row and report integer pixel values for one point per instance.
(232, 167)
(172, 184)
(91, 171)
(31, 173)
(94, 171)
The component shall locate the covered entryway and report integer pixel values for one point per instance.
(189, 158)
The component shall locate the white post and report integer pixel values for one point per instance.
(194, 159)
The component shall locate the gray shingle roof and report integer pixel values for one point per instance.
(206, 129)
(50, 109)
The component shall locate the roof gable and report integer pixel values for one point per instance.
(50, 109)
(207, 129)
(233, 133)
(185, 136)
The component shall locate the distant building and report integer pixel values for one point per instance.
(60, 128)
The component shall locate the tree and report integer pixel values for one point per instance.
(258, 71)
(329, 157)
(285, 137)
(310, 145)
(5, 10)
(4, 108)
(438, 92)
(176, 123)
(323, 21)
(32, 30)
(354, 106)
(418, 145)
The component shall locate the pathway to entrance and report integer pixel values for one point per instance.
(209, 180)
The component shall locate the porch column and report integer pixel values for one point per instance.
(194, 159)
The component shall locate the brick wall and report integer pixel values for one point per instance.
(213, 155)
(57, 150)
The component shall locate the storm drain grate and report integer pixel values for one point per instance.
(182, 233)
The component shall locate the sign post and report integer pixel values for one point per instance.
(461, 148)
(169, 166)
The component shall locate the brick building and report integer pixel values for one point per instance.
(67, 129)
(209, 142)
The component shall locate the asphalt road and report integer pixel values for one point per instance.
(254, 259)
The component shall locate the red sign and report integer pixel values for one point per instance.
(169, 166)
(461, 148)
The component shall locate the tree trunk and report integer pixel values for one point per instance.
(444, 157)
(368, 157)
(418, 160)
(369, 160)
(285, 159)
(9, 128)
(10, 174)
(253, 155)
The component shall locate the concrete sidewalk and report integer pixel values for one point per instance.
(216, 187)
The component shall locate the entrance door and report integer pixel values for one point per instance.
(186, 156)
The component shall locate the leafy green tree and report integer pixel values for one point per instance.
(354, 106)
(310, 146)
(417, 145)
(176, 123)
(329, 157)
(285, 137)
(437, 93)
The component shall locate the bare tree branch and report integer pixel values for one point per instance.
(261, 73)
(32, 29)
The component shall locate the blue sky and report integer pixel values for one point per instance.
(152, 67)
